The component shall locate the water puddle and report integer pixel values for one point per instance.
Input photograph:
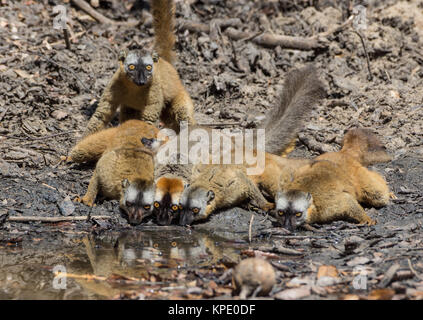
(106, 265)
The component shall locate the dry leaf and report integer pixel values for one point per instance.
(23, 74)
(293, 294)
(381, 294)
(327, 271)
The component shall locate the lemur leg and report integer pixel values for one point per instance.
(374, 189)
(92, 191)
(181, 109)
(92, 147)
(210, 208)
(128, 113)
(256, 197)
(107, 106)
(104, 113)
(344, 206)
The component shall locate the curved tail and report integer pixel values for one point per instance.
(163, 12)
(302, 90)
(364, 145)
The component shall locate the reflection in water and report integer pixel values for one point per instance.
(26, 271)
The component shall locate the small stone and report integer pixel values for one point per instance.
(66, 207)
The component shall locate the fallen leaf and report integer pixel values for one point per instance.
(59, 115)
(327, 271)
(293, 294)
(23, 74)
(358, 261)
(381, 294)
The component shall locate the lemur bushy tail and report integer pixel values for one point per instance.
(365, 146)
(302, 90)
(163, 12)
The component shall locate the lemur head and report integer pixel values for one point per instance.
(292, 208)
(138, 65)
(166, 200)
(194, 201)
(137, 200)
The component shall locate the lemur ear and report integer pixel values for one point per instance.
(155, 56)
(125, 183)
(122, 55)
(210, 196)
(308, 196)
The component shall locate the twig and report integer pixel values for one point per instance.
(67, 41)
(98, 16)
(389, 275)
(270, 40)
(250, 227)
(53, 219)
(413, 270)
(367, 55)
(66, 68)
(219, 124)
(4, 113)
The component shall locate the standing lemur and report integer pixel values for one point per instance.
(147, 86)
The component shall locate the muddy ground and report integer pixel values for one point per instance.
(47, 94)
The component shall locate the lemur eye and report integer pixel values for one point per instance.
(147, 207)
(280, 213)
(299, 214)
(195, 210)
(174, 207)
(148, 67)
(131, 67)
(180, 207)
(156, 204)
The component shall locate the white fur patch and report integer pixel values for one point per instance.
(131, 193)
(148, 196)
(147, 60)
(282, 202)
(300, 205)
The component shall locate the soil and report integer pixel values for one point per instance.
(48, 93)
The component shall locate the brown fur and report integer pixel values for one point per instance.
(163, 22)
(93, 146)
(134, 164)
(338, 181)
(230, 183)
(302, 89)
(231, 187)
(121, 156)
(164, 97)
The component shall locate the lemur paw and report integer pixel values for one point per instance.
(87, 201)
(369, 222)
(392, 196)
(268, 206)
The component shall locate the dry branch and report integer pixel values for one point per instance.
(53, 219)
(270, 40)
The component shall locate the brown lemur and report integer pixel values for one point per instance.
(335, 183)
(215, 187)
(146, 85)
(125, 170)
